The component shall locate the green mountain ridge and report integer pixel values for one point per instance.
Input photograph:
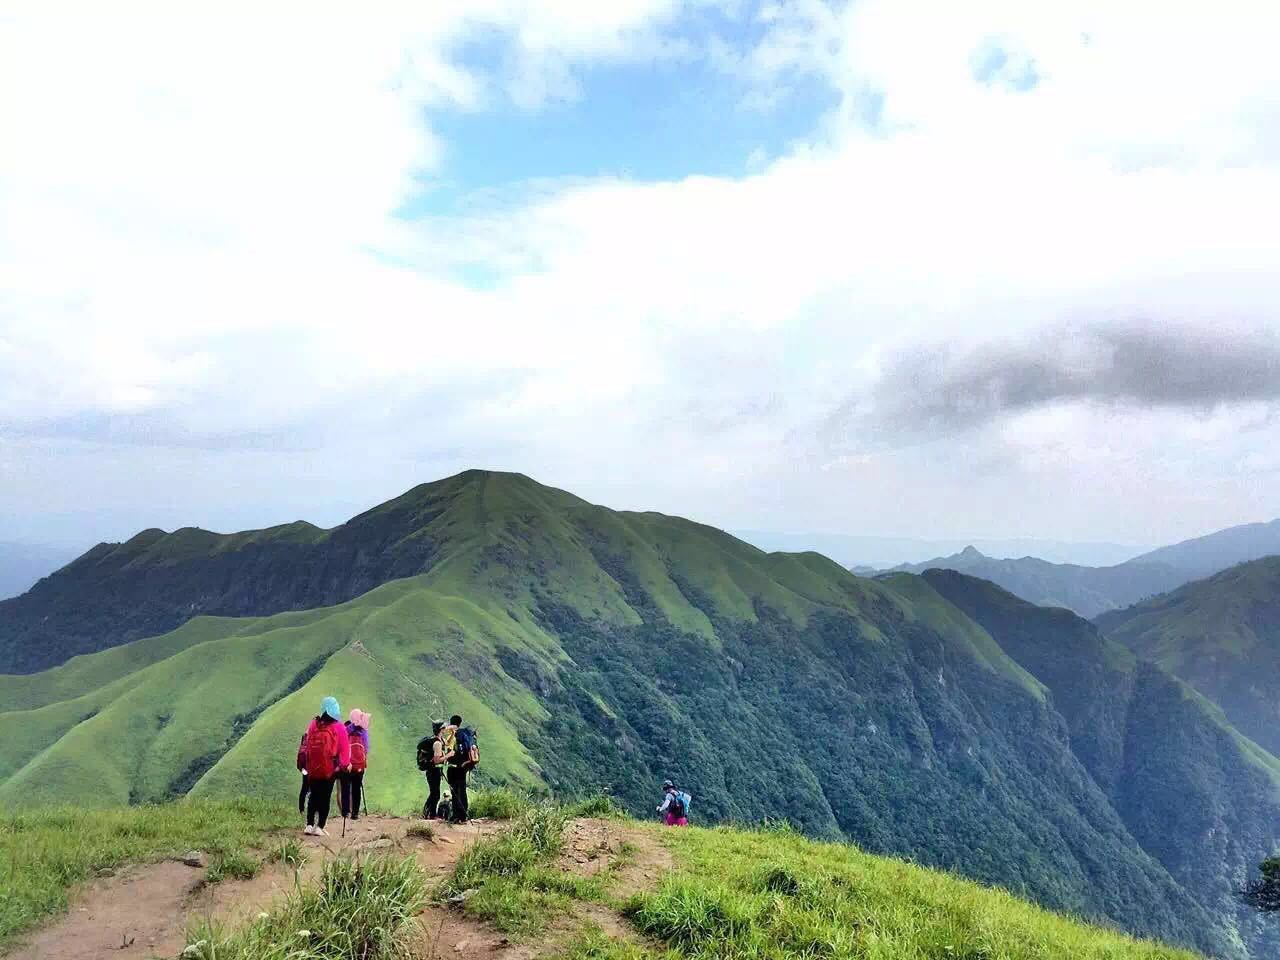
(1222, 636)
(596, 649)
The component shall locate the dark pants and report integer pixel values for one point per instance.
(434, 775)
(458, 787)
(302, 795)
(318, 801)
(350, 791)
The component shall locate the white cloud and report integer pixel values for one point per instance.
(190, 210)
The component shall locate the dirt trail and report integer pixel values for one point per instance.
(144, 911)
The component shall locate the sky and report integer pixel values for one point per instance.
(883, 267)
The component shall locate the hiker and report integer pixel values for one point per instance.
(675, 805)
(466, 755)
(351, 781)
(431, 761)
(325, 752)
(302, 766)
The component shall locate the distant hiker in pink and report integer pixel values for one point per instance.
(675, 804)
(325, 751)
(351, 780)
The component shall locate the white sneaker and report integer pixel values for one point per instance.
(310, 831)
(320, 832)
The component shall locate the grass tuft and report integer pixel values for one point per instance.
(499, 803)
(421, 831)
(358, 910)
(599, 806)
(236, 865)
(290, 853)
(505, 877)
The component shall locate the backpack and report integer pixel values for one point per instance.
(321, 748)
(426, 752)
(359, 756)
(467, 752)
(679, 806)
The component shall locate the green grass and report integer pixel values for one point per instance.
(773, 895)
(499, 803)
(599, 805)
(290, 853)
(359, 909)
(235, 865)
(45, 853)
(506, 879)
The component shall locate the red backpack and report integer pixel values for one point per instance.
(359, 756)
(321, 749)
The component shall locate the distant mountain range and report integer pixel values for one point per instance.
(880, 553)
(936, 717)
(1090, 591)
(22, 564)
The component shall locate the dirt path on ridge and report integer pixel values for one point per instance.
(144, 911)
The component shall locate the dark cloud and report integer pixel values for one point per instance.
(940, 390)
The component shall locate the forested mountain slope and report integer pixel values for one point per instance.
(1187, 785)
(1222, 636)
(597, 649)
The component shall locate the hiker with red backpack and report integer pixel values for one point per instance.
(351, 780)
(325, 751)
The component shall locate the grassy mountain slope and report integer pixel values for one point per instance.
(1087, 591)
(1222, 636)
(595, 649)
(1169, 762)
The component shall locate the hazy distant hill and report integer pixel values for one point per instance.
(1090, 591)
(1217, 551)
(1086, 590)
(854, 551)
(1221, 635)
(939, 717)
(22, 564)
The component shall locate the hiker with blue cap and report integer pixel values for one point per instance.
(324, 753)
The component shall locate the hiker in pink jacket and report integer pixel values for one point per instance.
(325, 752)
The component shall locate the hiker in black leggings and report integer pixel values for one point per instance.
(435, 768)
(350, 792)
(318, 801)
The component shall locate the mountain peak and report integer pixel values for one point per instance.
(972, 553)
